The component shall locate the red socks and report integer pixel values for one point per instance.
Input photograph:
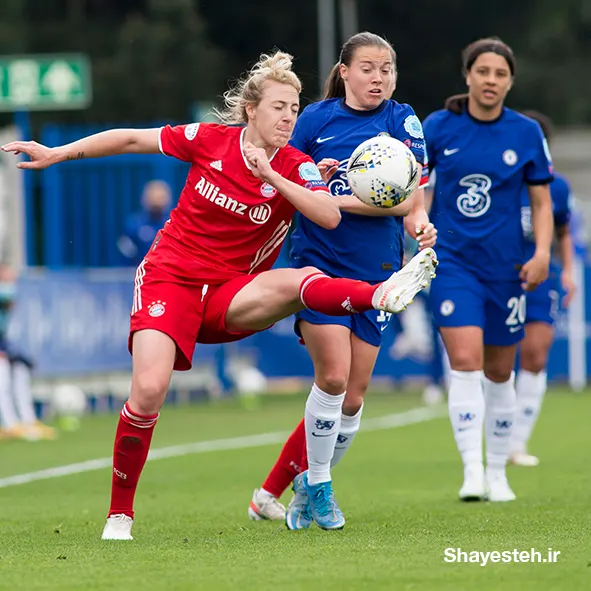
(287, 466)
(336, 297)
(132, 444)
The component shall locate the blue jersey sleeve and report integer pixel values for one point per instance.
(429, 125)
(538, 171)
(410, 131)
(300, 138)
(561, 199)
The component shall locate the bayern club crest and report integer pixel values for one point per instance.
(268, 190)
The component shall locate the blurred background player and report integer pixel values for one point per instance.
(207, 276)
(542, 306)
(485, 155)
(367, 245)
(141, 227)
(18, 419)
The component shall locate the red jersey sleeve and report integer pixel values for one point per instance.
(181, 141)
(306, 174)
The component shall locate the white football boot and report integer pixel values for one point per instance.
(522, 458)
(265, 506)
(118, 527)
(474, 487)
(399, 290)
(499, 490)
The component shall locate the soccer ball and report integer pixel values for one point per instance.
(68, 400)
(382, 172)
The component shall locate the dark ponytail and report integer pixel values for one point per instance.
(459, 102)
(334, 87)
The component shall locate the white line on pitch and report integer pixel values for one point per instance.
(411, 417)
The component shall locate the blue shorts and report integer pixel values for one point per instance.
(368, 326)
(543, 303)
(459, 298)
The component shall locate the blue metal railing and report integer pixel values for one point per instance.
(76, 211)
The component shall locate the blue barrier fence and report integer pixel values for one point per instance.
(77, 322)
(76, 211)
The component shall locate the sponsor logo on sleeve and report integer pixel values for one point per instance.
(191, 131)
(309, 172)
(413, 127)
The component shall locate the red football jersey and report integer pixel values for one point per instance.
(227, 221)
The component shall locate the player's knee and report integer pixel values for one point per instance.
(352, 404)
(333, 381)
(534, 361)
(148, 391)
(466, 361)
(309, 271)
(498, 375)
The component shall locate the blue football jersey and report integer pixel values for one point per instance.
(361, 247)
(481, 170)
(561, 207)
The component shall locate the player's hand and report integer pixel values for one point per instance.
(327, 167)
(40, 156)
(421, 229)
(258, 161)
(534, 272)
(569, 287)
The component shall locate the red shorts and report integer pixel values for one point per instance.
(187, 311)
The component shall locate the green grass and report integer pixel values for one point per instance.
(397, 487)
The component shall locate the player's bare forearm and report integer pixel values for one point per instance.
(317, 206)
(565, 248)
(542, 218)
(110, 143)
(351, 204)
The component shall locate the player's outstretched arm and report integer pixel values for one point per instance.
(106, 143)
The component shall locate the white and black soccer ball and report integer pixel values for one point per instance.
(382, 172)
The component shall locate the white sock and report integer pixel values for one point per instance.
(347, 432)
(322, 420)
(530, 388)
(266, 493)
(21, 389)
(466, 413)
(500, 416)
(8, 416)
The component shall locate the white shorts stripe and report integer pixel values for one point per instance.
(137, 289)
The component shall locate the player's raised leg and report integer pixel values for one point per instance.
(276, 294)
(153, 358)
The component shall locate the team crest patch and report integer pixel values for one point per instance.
(191, 131)
(447, 308)
(510, 157)
(156, 309)
(413, 127)
(268, 190)
(309, 172)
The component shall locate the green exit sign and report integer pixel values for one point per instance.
(45, 82)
